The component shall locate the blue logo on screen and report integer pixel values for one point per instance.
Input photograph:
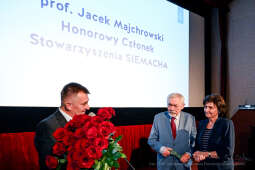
(180, 15)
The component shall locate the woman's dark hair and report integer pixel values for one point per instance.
(218, 101)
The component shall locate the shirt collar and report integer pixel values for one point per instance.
(177, 117)
(66, 116)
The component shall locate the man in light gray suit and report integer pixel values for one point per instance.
(173, 131)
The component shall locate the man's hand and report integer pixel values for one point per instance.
(167, 151)
(213, 154)
(185, 158)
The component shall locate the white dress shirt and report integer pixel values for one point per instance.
(66, 116)
(176, 121)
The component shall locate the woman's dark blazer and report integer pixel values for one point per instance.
(222, 140)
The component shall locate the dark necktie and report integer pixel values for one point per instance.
(173, 127)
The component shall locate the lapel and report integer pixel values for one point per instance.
(214, 130)
(181, 121)
(181, 124)
(167, 122)
(61, 121)
(205, 122)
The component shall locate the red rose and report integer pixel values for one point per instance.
(80, 158)
(101, 143)
(79, 120)
(80, 133)
(59, 134)
(58, 149)
(106, 128)
(82, 144)
(106, 113)
(51, 162)
(87, 125)
(76, 154)
(96, 120)
(70, 156)
(71, 164)
(92, 133)
(94, 152)
(85, 162)
(69, 138)
(70, 126)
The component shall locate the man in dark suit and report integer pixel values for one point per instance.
(173, 130)
(74, 101)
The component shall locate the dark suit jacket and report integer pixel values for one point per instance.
(43, 137)
(222, 140)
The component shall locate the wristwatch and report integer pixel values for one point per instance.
(209, 154)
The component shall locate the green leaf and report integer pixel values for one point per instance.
(97, 165)
(110, 146)
(110, 162)
(118, 139)
(104, 151)
(116, 164)
(58, 168)
(116, 156)
(106, 167)
(122, 155)
(62, 161)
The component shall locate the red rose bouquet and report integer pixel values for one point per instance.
(86, 142)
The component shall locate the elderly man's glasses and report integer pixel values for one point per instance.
(173, 105)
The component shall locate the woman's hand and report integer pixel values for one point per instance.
(199, 156)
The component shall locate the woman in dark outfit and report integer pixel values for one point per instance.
(215, 139)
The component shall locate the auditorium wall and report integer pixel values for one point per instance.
(241, 56)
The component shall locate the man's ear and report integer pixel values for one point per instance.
(68, 106)
(183, 106)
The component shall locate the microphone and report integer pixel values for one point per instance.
(92, 114)
(131, 166)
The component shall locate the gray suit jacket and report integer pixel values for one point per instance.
(43, 135)
(161, 135)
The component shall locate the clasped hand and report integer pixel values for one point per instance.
(199, 156)
(184, 158)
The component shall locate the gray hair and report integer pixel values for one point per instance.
(175, 95)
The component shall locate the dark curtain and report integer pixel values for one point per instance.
(223, 10)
